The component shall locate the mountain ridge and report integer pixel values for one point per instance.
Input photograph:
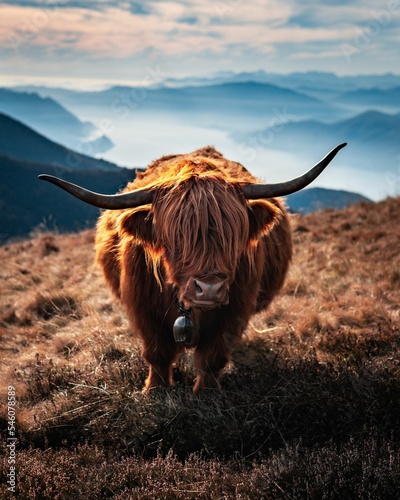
(316, 198)
(212, 102)
(18, 140)
(389, 98)
(369, 132)
(51, 119)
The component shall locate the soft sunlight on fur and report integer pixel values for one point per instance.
(199, 226)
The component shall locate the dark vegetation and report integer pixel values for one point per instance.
(310, 406)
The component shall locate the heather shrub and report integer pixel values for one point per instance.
(364, 468)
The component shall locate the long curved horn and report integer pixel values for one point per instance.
(131, 199)
(257, 191)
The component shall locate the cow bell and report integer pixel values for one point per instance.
(183, 326)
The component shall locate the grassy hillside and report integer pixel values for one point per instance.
(310, 406)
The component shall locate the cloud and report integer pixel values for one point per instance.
(343, 13)
(118, 33)
(192, 34)
(135, 6)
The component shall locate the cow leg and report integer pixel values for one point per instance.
(159, 352)
(210, 357)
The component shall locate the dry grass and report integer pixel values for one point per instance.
(311, 401)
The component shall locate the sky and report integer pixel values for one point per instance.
(96, 42)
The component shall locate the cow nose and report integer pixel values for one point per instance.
(211, 290)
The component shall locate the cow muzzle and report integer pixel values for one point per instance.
(207, 292)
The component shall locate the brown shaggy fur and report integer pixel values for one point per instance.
(198, 225)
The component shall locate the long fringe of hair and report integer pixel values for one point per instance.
(203, 223)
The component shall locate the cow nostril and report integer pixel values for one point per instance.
(211, 290)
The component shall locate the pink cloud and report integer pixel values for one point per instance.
(121, 34)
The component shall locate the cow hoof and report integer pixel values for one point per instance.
(201, 389)
(157, 389)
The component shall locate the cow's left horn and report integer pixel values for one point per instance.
(257, 191)
(131, 199)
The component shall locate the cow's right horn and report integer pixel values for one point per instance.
(258, 191)
(131, 199)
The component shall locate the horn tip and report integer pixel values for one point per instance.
(49, 178)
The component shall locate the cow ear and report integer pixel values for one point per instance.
(138, 222)
(263, 214)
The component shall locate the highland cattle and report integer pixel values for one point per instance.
(193, 247)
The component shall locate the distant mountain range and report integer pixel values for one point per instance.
(309, 80)
(367, 90)
(312, 199)
(230, 105)
(53, 121)
(363, 91)
(373, 97)
(371, 136)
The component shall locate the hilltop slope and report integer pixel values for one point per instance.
(310, 399)
(344, 277)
